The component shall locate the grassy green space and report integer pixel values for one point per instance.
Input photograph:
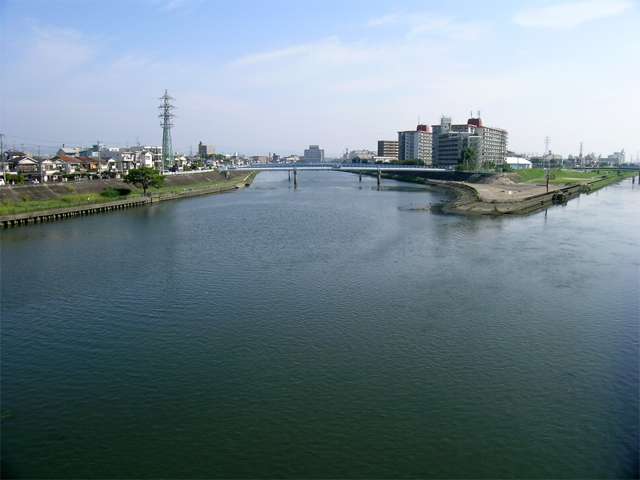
(194, 187)
(112, 195)
(66, 201)
(560, 177)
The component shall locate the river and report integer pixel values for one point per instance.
(328, 331)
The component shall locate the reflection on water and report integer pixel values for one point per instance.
(328, 330)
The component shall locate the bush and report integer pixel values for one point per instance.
(17, 179)
(111, 192)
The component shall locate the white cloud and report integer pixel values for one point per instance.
(415, 24)
(168, 6)
(385, 20)
(59, 49)
(325, 53)
(268, 56)
(569, 15)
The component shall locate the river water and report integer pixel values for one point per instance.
(328, 331)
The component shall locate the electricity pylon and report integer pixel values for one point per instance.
(166, 115)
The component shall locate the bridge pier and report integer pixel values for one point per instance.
(295, 178)
(289, 172)
(379, 178)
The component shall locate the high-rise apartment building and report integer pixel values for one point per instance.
(415, 145)
(388, 148)
(451, 141)
(205, 151)
(313, 154)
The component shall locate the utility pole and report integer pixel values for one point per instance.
(548, 160)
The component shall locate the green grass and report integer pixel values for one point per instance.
(66, 201)
(176, 189)
(109, 195)
(560, 177)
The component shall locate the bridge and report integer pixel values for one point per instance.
(352, 167)
(344, 167)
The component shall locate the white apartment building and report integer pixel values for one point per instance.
(416, 145)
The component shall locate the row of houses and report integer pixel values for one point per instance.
(67, 164)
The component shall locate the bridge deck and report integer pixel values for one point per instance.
(357, 167)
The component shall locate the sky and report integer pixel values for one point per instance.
(256, 77)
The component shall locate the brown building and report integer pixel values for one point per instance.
(388, 148)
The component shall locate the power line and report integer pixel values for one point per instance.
(56, 143)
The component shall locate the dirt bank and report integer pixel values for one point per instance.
(501, 194)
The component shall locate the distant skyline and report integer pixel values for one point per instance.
(259, 77)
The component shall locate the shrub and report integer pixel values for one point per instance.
(111, 192)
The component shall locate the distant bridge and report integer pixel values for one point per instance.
(621, 167)
(352, 167)
(358, 168)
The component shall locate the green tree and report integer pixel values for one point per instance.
(470, 158)
(144, 178)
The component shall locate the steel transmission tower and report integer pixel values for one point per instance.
(166, 115)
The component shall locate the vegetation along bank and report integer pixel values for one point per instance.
(25, 204)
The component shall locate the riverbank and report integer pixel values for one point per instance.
(507, 194)
(42, 203)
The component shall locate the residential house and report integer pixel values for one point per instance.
(145, 159)
(9, 160)
(50, 169)
(70, 164)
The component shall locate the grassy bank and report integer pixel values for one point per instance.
(571, 177)
(66, 201)
(40, 198)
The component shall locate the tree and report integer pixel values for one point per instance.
(469, 158)
(144, 178)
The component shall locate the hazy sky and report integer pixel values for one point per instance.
(275, 76)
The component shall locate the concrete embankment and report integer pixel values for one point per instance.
(469, 201)
(182, 186)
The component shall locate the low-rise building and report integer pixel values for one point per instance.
(260, 159)
(517, 163)
(27, 166)
(359, 155)
(68, 151)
